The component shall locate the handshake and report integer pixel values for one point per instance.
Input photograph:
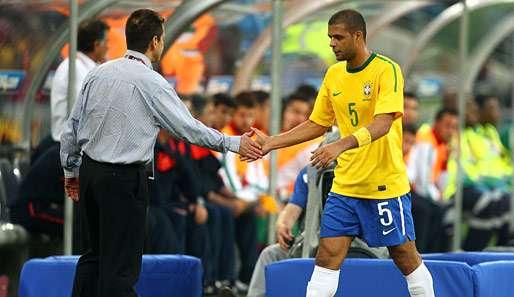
(251, 150)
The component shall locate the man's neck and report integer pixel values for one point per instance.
(360, 58)
(92, 56)
(149, 55)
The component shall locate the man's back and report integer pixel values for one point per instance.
(116, 110)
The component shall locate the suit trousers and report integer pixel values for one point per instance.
(113, 203)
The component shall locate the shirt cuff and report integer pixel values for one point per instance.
(232, 143)
(71, 173)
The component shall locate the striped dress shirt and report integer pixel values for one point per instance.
(122, 105)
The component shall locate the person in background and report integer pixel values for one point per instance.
(490, 118)
(92, 47)
(224, 107)
(290, 160)
(410, 109)
(428, 176)
(486, 188)
(409, 139)
(263, 111)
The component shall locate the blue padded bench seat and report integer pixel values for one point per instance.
(368, 278)
(161, 276)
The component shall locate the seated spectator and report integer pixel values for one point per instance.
(224, 106)
(262, 116)
(247, 180)
(410, 109)
(486, 193)
(237, 218)
(426, 168)
(39, 207)
(409, 139)
(291, 160)
(490, 118)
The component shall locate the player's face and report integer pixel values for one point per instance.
(342, 42)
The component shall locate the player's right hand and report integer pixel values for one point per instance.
(284, 236)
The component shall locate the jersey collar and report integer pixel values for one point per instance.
(360, 68)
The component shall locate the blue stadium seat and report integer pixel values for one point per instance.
(368, 278)
(494, 279)
(161, 275)
(471, 258)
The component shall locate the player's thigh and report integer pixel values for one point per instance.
(332, 251)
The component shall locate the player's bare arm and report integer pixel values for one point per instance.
(306, 131)
(325, 155)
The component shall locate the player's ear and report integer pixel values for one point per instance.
(358, 35)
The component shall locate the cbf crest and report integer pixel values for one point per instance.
(367, 90)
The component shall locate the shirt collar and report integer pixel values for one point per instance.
(141, 56)
(86, 60)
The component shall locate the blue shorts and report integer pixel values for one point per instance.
(379, 222)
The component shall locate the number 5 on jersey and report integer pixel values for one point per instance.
(354, 116)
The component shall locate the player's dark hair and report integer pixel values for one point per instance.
(89, 32)
(352, 19)
(445, 111)
(142, 26)
(246, 99)
(223, 99)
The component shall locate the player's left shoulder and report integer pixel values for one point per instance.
(386, 62)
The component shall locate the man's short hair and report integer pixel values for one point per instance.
(351, 19)
(223, 99)
(444, 111)
(142, 26)
(246, 99)
(89, 32)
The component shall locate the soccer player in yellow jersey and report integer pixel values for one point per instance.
(370, 196)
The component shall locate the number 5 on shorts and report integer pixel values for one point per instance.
(381, 210)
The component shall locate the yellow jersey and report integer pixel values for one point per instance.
(352, 98)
